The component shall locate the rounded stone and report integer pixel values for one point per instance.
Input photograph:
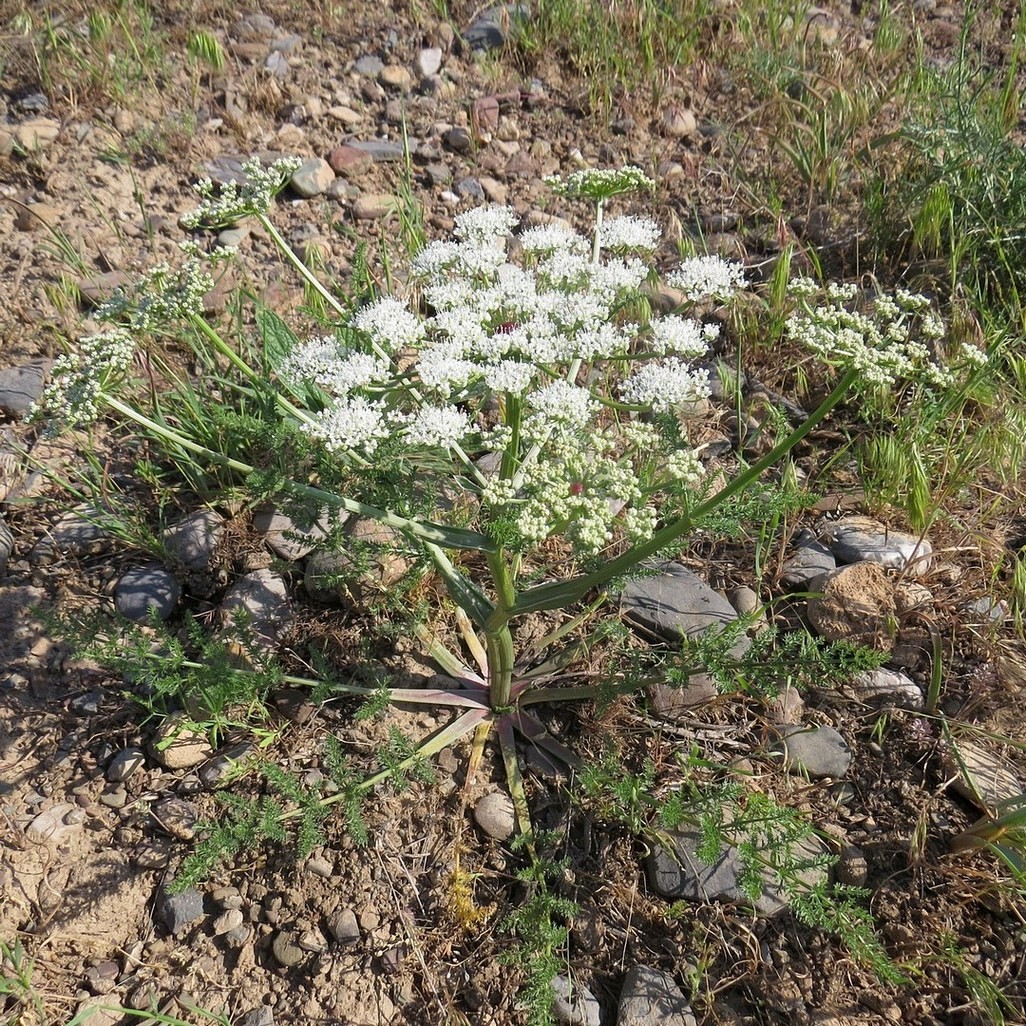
(286, 950)
(194, 538)
(124, 764)
(495, 815)
(856, 604)
(175, 746)
(816, 752)
(344, 927)
(146, 592)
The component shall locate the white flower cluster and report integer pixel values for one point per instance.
(891, 338)
(226, 205)
(78, 378)
(707, 277)
(664, 385)
(600, 183)
(629, 232)
(534, 354)
(163, 297)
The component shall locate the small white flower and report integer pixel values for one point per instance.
(390, 324)
(664, 385)
(78, 378)
(437, 427)
(509, 376)
(684, 465)
(629, 232)
(353, 423)
(682, 336)
(640, 524)
(331, 366)
(546, 238)
(220, 207)
(707, 277)
(563, 403)
(600, 183)
(444, 373)
(483, 224)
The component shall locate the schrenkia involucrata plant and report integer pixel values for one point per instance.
(527, 387)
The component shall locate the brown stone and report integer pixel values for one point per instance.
(857, 604)
(349, 161)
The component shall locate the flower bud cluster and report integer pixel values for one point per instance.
(228, 204)
(78, 378)
(889, 339)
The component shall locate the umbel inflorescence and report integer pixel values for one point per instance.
(534, 346)
(538, 359)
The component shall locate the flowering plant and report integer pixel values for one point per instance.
(523, 371)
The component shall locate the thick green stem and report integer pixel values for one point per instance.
(555, 596)
(498, 639)
(249, 372)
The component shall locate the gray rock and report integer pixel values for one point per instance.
(293, 537)
(223, 767)
(177, 911)
(145, 592)
(986, 611)
(176, 817)
(858, 538)
(574, 1005)
(806, 563)
(36, 133)
(124, 764)
(286, 950)
(192, 541)
(495, 27)
(257, 607)
(20, 387)
(852, 868)
(459, 140)
(228, 921)
(676, 871)
(673, 601)
(429, 61)
(320, 866)
(494, 814)
(815, 752)
(787, 707)
(981, 775)
(470, 188)
(890, 686)
(369, 66)
(381, 150)
(650, 997)
(87, 704)
(313, 177)
(373, 569)
(77, 533)
(253, 28)
(276, 64)
(259, 1017)
(313, 941)
(373, 206)
(152, 855)
(54, 826)
(344, 926)
(287, 44)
